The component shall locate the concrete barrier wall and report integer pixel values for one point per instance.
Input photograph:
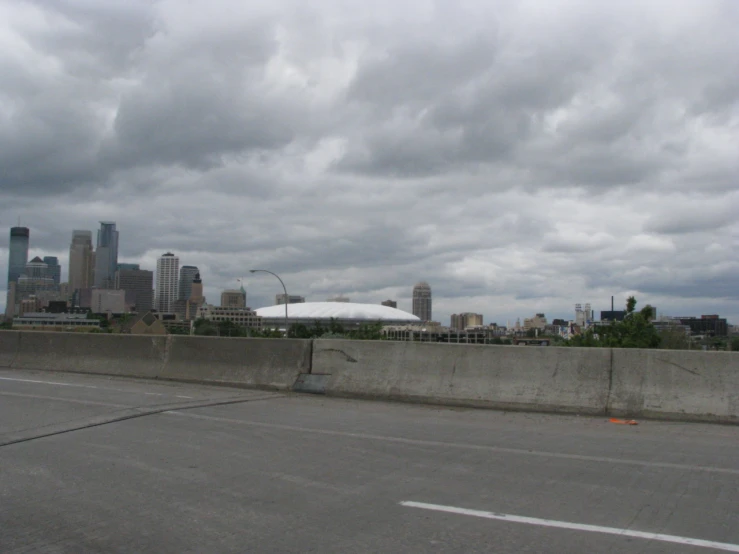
(8, 347)
(574, 380)
(126, 355)
(669, 384)
(259, 363)
(675, 384)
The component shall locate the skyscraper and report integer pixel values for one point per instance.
(168, 266)
(141, 282)
(18, 257)
(35, 279)
(106, 257)
(196, 298)
(422, 301)
(462, 321)
(80, 261)
(187, 274)
(233, 299)
(293, 299)
(54, 270)
(36, 269)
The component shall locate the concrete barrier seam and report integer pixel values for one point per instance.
(310, 357)
(165, 357)
(607, 407)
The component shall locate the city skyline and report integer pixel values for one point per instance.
(536, 155)
(263, 300)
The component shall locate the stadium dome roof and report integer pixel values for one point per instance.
(337, 310)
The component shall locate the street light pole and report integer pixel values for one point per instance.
(287, 298)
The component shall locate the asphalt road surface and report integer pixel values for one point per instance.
(98, 464)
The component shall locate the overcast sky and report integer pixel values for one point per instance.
(520, 156)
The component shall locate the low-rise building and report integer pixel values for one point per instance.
(711, 325)
(37, 321)
(462, 321)
(438, 333)
(244, 317)
(539, 321)
(144, 324)
(671, 325)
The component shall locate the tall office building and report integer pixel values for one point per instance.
(35, 280)
(54, 270)
(168, 267)
(390, 303)
(141, 283)
(81, 261)
(293, 299)
(18, 257)
(10, 303)
(422, 301)
(36, 269)
(462, 321)
(187, 275)
(583, 318)
(106, 256)
(196, 298)
(233, 298)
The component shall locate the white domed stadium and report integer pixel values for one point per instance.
(346, 313)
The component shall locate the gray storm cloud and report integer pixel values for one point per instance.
(518, 156)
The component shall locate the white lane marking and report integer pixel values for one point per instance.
(47, 383)
(68, 400)
(57, 383)
(575, 526)
(486, 448)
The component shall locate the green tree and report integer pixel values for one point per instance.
(335, 327)
(230, 329)
(367, 331)
(674, 339)
(635, 331)
(300, 331)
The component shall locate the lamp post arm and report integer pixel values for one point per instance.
(284, 288)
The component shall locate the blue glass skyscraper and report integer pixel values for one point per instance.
(54, 270)
(106, 256)
(18, 257)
